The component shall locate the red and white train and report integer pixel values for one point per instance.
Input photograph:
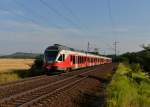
(58, 57)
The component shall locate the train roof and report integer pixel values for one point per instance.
(62, 47)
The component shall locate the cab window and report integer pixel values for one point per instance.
(61, 57)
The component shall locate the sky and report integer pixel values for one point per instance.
(32, 25)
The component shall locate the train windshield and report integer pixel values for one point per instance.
(51, 55)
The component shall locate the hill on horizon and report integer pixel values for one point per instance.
(21, 55)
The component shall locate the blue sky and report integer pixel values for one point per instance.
(30, 25)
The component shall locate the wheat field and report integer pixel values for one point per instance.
(7, 65)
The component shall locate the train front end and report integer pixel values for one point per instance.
(50, 56)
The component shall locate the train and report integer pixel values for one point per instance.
(62, 58)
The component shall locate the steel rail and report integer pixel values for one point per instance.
(8, 99)
(17, 82)
(51, 93)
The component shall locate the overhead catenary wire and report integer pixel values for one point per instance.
(31, 11)
(70, 11)
(112, 25)
(76, 17)
(110, 14)
(66, 18)
(52, 9)
(16, 14)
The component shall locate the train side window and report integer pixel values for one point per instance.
(81, 59)
(63, 57)
(84, 59)
(60, 58)
(73, 59)
(78, 59)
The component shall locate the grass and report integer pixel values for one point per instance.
(8, 77)
(130, 87)
(14, 69)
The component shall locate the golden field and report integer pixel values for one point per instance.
(7, 65)
(14, 69)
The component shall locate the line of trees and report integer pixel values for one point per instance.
(141, 57)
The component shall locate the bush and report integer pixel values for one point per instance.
(135, 67)
(142, 57)
(37, 68)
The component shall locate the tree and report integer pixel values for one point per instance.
(146, 47)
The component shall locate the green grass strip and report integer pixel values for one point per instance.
(129, 87)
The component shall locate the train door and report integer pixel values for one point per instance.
(76, 61)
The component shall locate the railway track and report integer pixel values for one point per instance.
(16, 87)
(23, 97)
(32, 92)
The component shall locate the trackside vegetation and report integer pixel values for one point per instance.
(141, 57)
(130, 87)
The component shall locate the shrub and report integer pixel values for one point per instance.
(37, 68)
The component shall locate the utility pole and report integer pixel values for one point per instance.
(88, 48)
(115, 48)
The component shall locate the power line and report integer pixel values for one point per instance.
(71, 12)
(31, 11)
(111, 18)
(115, 47)
(58, 13)
(112, 25)
(88, 47)
(14, 13)
(110, 13)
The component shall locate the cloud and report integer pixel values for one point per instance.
(30, 36)
(11, 12)
(25, 36)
